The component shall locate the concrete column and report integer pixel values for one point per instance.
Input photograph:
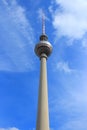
(43, 114)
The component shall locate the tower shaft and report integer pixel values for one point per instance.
(43, 114)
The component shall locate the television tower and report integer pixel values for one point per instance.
(43, 49)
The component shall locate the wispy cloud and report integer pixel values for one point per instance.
(79, 124)
(69, 18)
(84, 43)
(10, 128)
(69, 102)
(41, 13)
(64, 67)
(16, 36)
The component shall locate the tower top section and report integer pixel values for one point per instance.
(43, 35)
(44, 46)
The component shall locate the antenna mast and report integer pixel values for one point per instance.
(43, 23)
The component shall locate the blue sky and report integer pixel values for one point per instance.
(20, 28)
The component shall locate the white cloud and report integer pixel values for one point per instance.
(84, 43)
(70, 18)
(71, 106)
(16, 34)
(5, 2)
(10, 128)
(42, 13)
(18, 15)
(64, 66)
(69, 102)
(78, 124)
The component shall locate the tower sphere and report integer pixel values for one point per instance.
(43, 47)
